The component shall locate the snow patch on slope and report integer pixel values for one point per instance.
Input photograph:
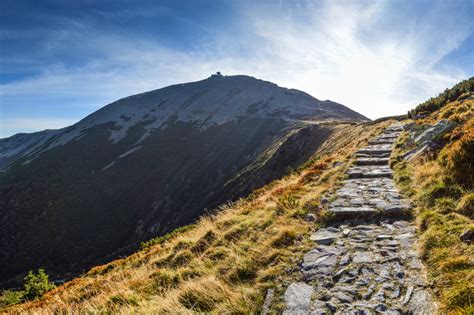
(210, 102)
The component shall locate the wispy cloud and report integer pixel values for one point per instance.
(370, 56)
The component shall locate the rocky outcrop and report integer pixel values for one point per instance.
(425, 138)
(435, 132)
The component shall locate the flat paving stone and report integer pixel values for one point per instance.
(374, 171)
(353, 210)
(298, 298)
(324, 236)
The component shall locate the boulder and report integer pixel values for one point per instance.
(435, 132)
(298, 298)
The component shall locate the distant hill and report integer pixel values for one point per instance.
(146, 164)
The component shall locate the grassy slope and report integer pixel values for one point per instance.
(225, 262)
(445, 202)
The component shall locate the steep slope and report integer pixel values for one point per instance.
(225, 262)
(147, 164)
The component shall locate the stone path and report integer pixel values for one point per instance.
(365, 263)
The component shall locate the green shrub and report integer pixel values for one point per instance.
(449, 95)
(10, 297)
(36, 285)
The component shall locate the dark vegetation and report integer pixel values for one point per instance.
(177, 174)
(35, 285)
(449, 95)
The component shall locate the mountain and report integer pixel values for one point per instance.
(146, 164)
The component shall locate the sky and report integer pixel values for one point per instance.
(62, 60)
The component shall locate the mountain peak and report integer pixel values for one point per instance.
(216, 100)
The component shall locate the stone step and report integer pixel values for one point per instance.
(352, 211)
(381, 155)
(388, 136)
(394, 129)
(381, 141)
(372, 161)
(376, 149)
(369, 172)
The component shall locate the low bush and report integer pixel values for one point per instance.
(9, 297)
(36, 285)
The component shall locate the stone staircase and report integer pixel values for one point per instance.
(369, 188)
(365, 263)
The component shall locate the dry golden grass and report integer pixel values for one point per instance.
(226, 262)
(442, 193)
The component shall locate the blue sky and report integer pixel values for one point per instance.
(61, 60)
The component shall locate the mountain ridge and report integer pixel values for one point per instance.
(203, 114)
(141, 166)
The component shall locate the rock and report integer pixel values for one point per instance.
(268, 301)
(317, 265)
(311, 217)
(353, 211)
(346, 232)
(345, 259)
(421, 303)
(467, 236)
(408, 294)
(379, 296)
(324, 236)
(404, 236)
(319, 308)
(298, 298)
(367, 257)
(435, 132)
(339, 273)
(382, 237)
(343, 297)
(380, 307)
(331, 306)
(369, 292)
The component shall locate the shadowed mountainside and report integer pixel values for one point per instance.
(146, 164)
